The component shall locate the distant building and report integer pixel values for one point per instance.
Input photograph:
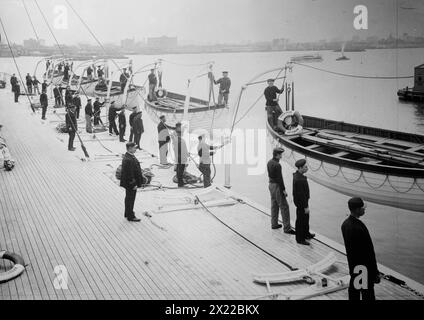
(162, 42)
(128, 44)
(279, 44)
(33, 43)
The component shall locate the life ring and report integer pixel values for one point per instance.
(18, 268)
(161, 93)
(291, 121)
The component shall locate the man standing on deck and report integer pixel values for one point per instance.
(100, 73)
(44, 103)
(131, 122)
(13, 82)
(122, 120)
(57, 96)
(89, 73)
(72, 126)
(111, 117)
(88, 116)
(152, 85)
(272, 107)
(360, 253)
(181, 155)
(224, 88)
(301, 201)
(76, 101)
(29, 83)
(138, 128)
(35, 84)
(17, 91)
(131, 178)
(68, 96)
(44, 86)
(163, 139)
(278, 193)
(205, 152)
(97, 105)
(123, 79)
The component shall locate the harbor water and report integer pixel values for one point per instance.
(397, 234)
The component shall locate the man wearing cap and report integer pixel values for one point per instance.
(71, 125)
(131, 178)
(301, 201)
(205, 151)
(131, 122)
(272, 107)
(122, 121)
(278, 193)
(13, 82)
(163, 139)
(360, 253)
(44, 86)
(96, 106)
(224, 88)
(57, 96)
(152, 85)
(44, 103)
(17, 91)
(138, 128)
(88, 116)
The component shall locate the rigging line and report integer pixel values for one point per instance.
(264, 81)
(30, 20)
(352, 75)
(242, 236)
(51, 31)
(248, 110)
(16, 65)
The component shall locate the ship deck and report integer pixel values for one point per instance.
(56, 209)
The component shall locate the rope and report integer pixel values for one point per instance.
(248, 110)
(17, 67)
(242, 236)
(51, 31)
(352, 75)
(30, 20)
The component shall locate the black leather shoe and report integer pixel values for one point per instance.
(278, 226)
(304, 242)
(290, 232)
(72, 149)
(134, 219)
(310, 236)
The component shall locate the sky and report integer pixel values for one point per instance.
(212, 21)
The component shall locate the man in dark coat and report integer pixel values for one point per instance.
(301, 199)
(97, 105)
(13, 82)
(272, 107)
(111, 118)
(44, 103)
(163, 139)
(68, 96)
(66, 72)
(89, 73)
(17, 91)
(57, 96)
(29, 83)
(152, 85)
(224, 88)
(131, 178)
(76, 101)
(278, 193)
(131, 122)
(35, 84)
(181, 154)
(122, 120)
(44, 86)
(360, 253)
(72, 126)
(138, 129)
(88, 116)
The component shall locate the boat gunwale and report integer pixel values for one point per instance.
(348, 163)
(181, 110)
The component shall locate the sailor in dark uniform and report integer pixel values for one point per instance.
(131, 178)
(224, 88)
(72, 126)
(29, 83)
(97, 105)
(111, 118)
(76, 101)
(44, 86)
(88, 116)
(131, 122)
(57, 96)
(301, 201)
(272, 107)
(122, 120)
(360, 253)
(44, 103)
(152, 85)
(13, 82)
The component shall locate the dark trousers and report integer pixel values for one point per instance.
(355, 294)
(180, 174)
(58, 101)
(279, 203)
(131, 135)
(16, 96)
(123, 84)
(71, 139)
(29, 86)
(129, 203)
(121, 132)
(97, 120)
(206, 170)
(302, 224)
(112, 126)
(137, 137)
(77, 111)
(43, 112)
